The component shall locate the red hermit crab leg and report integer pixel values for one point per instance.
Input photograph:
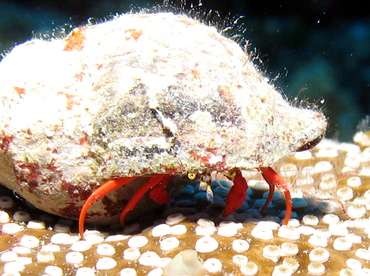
(272, 178)
(158, 193)
(238, 192)
(104, 189)
(270, 196)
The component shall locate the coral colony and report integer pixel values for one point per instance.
(142, 104)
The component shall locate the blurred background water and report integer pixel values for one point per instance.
(315, 49)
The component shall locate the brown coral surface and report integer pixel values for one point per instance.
(328, 234)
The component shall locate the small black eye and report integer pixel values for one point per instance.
(311, 145)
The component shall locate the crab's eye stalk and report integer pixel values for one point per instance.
(231, 173)
(192, 175)
(311, 145)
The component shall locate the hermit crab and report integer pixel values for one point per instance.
(143, 99)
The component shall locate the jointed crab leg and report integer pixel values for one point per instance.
(156, 183)
(270, 196)
(274, 179)
(104, 189)
(237, 194)
(157, 186)
(158, 193)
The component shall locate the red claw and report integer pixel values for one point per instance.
(237, 194)
(238, 191)
(272, 178)
(158, 192)
(156, 183)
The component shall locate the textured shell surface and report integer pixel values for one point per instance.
(137, 95)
